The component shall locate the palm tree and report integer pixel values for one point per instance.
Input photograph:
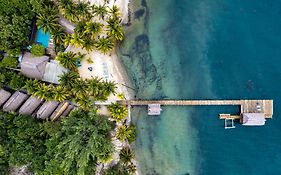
(126, 133)
(110, 87)
(79, 89)
(99, 10)
(80, 28)
(59, 36)
(117, 111)
(105, 157)
(67, 40)
(50, 9)
(115, 11)
(88, 43)
(94, 86)
(48, 23)
(68, 79)
(104, 45)
(63, 3)
(83, 10)
(70, 13)
(31, 85)
(60, 93)
(43, 91)
(126, 155)
(84, 103)
(115, 29)
(76, 40)
(93, 28)
(67, 60)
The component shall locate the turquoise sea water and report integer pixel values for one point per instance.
(207, 49)
(43, 38)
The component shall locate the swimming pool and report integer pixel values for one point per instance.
(43, 38)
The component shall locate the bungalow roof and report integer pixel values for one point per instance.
(15, 101)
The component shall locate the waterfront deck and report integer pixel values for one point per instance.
(246, 106)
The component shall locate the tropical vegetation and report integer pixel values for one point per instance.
(12, 79)
(37, 50)
(72, 146)
(77, 143)
(74, 88)
(126, 155)
(126, 133)
(9, 62)
(118, 112)
(15, 21)
(90, 32)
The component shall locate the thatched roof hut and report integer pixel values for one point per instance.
(33, 67)
(15, 101)
(58, 112)
(53, 71)
(4, 96)
(30, 105)
(253, 119)
(46, 110)
(68, 110)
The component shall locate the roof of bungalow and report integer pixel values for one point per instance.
(15, 101)
(53, 71)
(253, 119)
(46, 110)
(59, 111)
(30, 105)
(33, 67)
(68, 110)
(4, 96)
(154, 109)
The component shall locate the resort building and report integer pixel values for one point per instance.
(253, 119)
(41, 68)
(15, 101)
(33, 106)
(68, 110)
(33, 67)
(4, 96)
(47, 109)
(30, 105)
(58, 112)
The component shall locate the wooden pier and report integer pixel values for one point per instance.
(246, 106)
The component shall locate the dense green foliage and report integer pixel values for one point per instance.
(12, 79)
(118, 112)
(74, 88)
(22, 142)
(90, 30)
(121, 169)
(71, 147)
(15, 20)
(126, 133)
(69, 60)
(9, 62)
(83, 140)
(126, 155)
(37, 50)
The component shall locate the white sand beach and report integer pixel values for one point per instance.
(108, 67)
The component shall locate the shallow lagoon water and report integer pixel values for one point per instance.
(190, 49)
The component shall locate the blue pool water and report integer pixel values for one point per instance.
(205, 49)
(43, 38)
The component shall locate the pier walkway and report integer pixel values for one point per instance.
(246, 106)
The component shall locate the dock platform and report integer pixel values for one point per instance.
(246, 106)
